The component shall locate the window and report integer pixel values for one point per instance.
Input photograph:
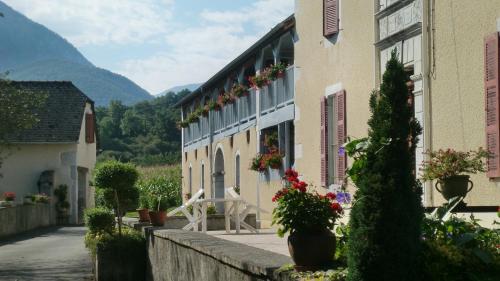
(330, 17)
(190, 180)
(203, 176)
(237, 168)
(89, 128)
(280, 137)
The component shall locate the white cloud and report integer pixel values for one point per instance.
(198, 52)
(95, 22)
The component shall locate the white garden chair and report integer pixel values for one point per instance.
(245, 208)
(195, 218)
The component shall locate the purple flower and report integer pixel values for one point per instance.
(341, 151)
(343, 197)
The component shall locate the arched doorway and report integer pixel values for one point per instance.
(219, 179)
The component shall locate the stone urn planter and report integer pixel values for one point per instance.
(454, 186)
(312, 252)
(157, 218)
(143, 215)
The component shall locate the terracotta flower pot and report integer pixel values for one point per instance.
(312, 252)
(157, 218)
(454, 186)
(143, 215)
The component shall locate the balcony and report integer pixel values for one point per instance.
(276, 106)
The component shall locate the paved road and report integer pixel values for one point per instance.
(50, 254)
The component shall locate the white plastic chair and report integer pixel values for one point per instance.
(245, 208)
(195, 218)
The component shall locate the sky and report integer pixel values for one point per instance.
(158, 44)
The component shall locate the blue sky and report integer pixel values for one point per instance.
(158, 43)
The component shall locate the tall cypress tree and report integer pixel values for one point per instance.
(385, 220)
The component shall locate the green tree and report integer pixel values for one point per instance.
(118, 180)
(385, 221)
(131, 125)
(19, 110)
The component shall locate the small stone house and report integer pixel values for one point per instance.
(59, 149)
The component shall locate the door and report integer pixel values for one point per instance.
(219, 180)
(82, 192)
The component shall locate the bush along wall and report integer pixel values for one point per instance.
(117, 257)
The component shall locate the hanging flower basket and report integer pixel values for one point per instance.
(239, 90)
(259, 81)
(276, 71)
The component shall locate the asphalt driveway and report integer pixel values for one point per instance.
(49, 254)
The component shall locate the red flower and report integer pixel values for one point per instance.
(300, 185)
(331, 196)
(291, 173)
(336, 207)
(292, 179)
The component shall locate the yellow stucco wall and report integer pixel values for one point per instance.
(320, 63)
(457, 88)
(22, 168)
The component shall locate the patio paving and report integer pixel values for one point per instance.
(267, 239)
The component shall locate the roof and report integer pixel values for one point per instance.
(279, 29)
(60, 118)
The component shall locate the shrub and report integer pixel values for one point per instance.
(164, 183)
(99, 220)
(118, 181)
(385, 221)
(130, 245)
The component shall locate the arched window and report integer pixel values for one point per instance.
(237, 167)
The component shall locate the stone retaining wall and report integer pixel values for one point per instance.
(176, 255)
(214, 222)
(18, 219)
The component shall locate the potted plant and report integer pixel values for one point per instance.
(214, 105)
(273, 159)
(143, 209)
(158, 207)
(257, 164)
(239, 90)
(41, 198)
(258, 81)
(309, 218)
(276, 71)
(451, 168)
(206, 110)
(62, 205)
(9, 198)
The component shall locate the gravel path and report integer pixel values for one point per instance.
(49, 254)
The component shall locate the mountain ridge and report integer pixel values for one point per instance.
(31, 51)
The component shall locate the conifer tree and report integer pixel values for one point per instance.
(384, 242)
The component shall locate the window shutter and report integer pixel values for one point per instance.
(89, 128)
(340, 111)
(491, 86)
(324, 141)
(330, 17)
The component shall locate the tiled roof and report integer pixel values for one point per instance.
(60, 118)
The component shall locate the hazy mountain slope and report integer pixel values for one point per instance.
(30, 51)
(99, 84)
(190, 87)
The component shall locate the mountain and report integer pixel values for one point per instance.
(30, 51)
(190, 87)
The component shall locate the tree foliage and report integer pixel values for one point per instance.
(144, 133)
(386, 218)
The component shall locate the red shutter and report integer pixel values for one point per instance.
(324, 141)
(89, 128)
(330, 17)
(341, 135)
(491, 87)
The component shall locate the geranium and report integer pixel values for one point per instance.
(301, 210)
(449, 162)
(258, 81)
(275, 71)
(9, 196)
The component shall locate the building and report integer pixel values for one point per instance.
(59, 149)
(218, 148)
(449, 49)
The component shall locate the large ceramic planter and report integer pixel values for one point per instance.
(157, 218)
(143, 215)
(455, 186)
(312, 252)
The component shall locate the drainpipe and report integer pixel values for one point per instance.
(428, 69)
(210, 152)
(258, 66)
